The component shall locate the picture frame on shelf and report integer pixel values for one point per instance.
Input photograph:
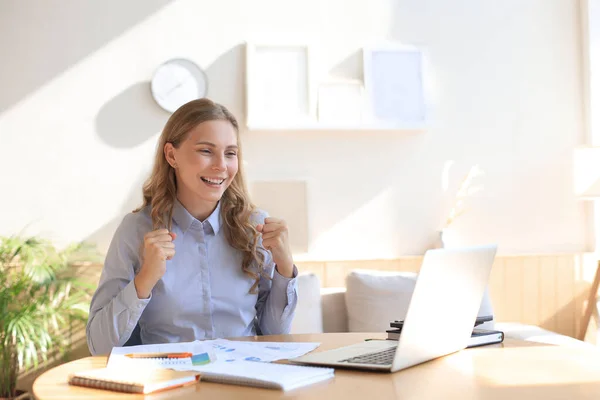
(340, 102)
(278, 89)
(395, 86)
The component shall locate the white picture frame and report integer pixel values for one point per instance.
(341, 102)
(278, 89)
(395, 85)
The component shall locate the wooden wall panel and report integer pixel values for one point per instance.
(565, 296)
(513, 286)
(498, 287)
(547, 293)
(531, 290)
(317, 268)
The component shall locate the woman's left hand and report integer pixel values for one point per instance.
(275, 239)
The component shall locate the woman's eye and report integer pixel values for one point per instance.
(205, 151)
(231, 154)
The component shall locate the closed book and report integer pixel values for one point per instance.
(479, 337)
(133, 381)
(478, 321)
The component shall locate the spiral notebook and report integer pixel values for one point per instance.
(265, 375)
(133, 381)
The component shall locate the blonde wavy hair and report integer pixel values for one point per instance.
(160, 190)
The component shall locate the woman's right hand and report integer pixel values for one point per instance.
(158, 248)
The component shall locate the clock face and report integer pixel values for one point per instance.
(177, 82)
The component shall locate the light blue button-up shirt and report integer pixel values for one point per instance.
(204, 293)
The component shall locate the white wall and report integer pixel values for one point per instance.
(78, 126)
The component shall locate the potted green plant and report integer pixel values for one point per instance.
(39, 296)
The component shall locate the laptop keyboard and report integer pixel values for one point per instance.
(383, 357)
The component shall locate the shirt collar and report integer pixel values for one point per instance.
(214, 219)
(184, 219)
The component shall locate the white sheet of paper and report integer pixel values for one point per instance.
(219, 351)
(268, 375)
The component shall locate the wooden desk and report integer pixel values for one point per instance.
(512, 370)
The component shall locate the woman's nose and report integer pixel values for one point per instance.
(220, 164)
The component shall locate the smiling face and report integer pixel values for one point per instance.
(205, 164)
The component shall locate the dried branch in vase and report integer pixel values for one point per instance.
(465, 190)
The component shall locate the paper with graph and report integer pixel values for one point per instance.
(204, 354)
(231, 350)
(183, 356)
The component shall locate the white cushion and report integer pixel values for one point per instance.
(308, 318)
(375, 298)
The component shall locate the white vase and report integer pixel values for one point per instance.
(448, 238)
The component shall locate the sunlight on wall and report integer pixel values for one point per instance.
(446, 175)
(587, 172)
(348, 237)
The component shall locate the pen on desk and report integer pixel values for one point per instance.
(159, 355)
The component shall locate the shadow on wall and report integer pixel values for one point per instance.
(133, 116)
(54, 29)
(103, 235)
(226, 81)
(567, 319)
(349, 68)
(130, 118)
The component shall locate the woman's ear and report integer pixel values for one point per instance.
(169, 151)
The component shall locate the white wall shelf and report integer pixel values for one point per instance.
(319, 126)
(283, 92)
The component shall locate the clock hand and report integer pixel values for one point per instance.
(178, 85)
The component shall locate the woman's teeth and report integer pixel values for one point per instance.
(213, 181)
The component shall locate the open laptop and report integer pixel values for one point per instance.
(440, 316)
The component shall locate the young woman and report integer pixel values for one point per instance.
(197, 260)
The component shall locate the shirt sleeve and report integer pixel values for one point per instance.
(277, 300)
(115, 308)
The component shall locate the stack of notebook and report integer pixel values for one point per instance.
(479, 337)
(142, 381)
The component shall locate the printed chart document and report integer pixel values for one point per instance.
(166, 355)
(207, 352)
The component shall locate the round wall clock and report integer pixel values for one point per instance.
(177, 82)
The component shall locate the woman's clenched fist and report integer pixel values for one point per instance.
(158, 248)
